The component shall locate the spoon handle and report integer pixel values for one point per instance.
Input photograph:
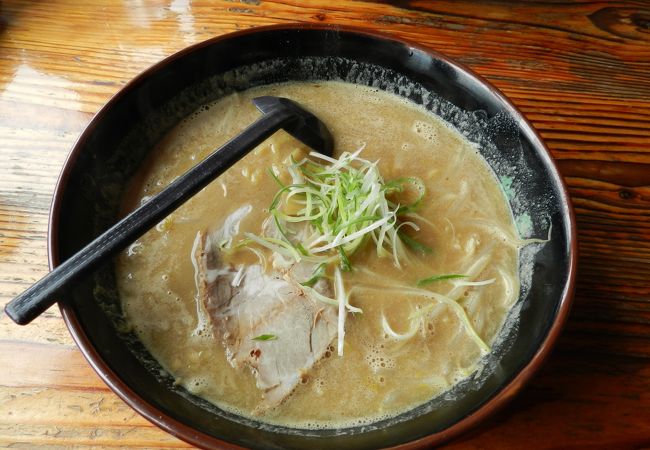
(45, 292)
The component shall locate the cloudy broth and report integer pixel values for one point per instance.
(464, 218)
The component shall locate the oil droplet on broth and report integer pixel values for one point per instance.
(426, 131)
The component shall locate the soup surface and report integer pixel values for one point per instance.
(408, 345)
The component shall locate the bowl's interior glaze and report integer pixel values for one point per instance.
(122, 133)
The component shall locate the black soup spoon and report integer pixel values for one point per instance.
(277, 112)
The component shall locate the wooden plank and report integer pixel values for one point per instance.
(580, 71)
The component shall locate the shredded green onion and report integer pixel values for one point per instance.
(345, 261)
(275, 177)
(265, 337)
(435, 278)
(318, 273)
(344, 202)
(414, 244)
(341, 299)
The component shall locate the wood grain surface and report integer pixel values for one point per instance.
(580, 71)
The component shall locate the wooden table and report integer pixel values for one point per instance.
(581, 74)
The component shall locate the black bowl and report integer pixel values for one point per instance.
(119, 137)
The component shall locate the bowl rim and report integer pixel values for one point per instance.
(198, 438)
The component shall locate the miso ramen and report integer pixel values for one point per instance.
(317, 291)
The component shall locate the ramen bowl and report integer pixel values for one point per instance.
(117, 140)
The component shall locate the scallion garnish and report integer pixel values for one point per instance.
(343, 202)
(275, 177)
(414, 244)
(435, 278)
(345, 262)
(265, 337)
(318, 273)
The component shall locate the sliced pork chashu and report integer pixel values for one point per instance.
(244, 303)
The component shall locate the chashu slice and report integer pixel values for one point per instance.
(246, 303)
